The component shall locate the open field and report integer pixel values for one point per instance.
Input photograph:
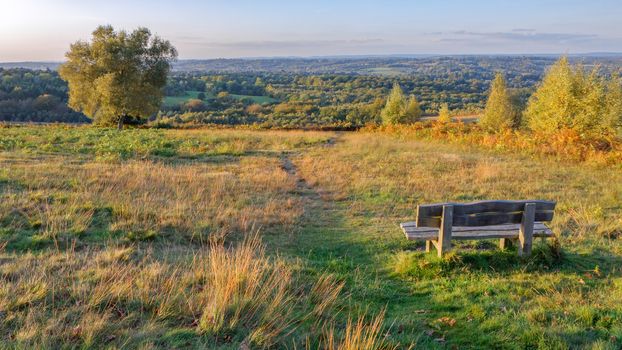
(171, 101)
(234, 239)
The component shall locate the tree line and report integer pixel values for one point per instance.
(35, 96)
(569, 97)
(121, 77)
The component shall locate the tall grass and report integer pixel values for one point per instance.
(387, 176)
(111, 296)
(247, 290)
(360, 335)
(565, 296)
(143, 199)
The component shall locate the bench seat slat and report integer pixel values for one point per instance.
(415, 233)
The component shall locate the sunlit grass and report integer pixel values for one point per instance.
(235, 239)
(564, 296)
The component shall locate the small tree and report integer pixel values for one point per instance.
(444, 114)
(412, 113)
(399, 111)
(118, 75)
(394, 107)
(500, 112)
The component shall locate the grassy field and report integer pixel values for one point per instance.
(171, 101)
(386, 71)
(248, 239)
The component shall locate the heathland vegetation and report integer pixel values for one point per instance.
(287, 239)
(240, 238)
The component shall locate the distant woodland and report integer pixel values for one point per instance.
(293, 93)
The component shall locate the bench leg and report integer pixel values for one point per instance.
(525, 234)
(505, 243)
(428, 246)
(444, 234)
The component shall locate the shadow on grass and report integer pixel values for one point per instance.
(546, 256)
(477, 298)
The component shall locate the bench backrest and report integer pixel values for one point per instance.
(484, 213)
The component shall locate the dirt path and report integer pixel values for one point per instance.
(303, 188)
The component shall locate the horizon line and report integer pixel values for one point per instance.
(362, 56)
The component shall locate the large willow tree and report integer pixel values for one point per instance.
(118, 75)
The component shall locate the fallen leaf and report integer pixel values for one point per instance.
(447, 321)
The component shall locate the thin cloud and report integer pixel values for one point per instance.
(516, 35)
(279, 45)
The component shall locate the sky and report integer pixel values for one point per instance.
(42, 30)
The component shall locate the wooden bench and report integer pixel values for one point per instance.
(509, 221)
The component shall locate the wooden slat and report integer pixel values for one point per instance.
(484, 219)
(501, 206)
(498, 231)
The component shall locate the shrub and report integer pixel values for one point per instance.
(444, 114)
(500, 114)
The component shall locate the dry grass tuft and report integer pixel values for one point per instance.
(359, 335)
(244, 289)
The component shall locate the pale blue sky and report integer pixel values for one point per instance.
(43, 29)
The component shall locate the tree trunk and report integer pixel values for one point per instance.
(120, 122)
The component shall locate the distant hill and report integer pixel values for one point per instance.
(375, 65)
(387, 65)
(31, 65)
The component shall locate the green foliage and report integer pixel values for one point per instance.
(339, 99)
(399, 111)
(412, 112)
(499, 114)
(118, 75)
(444, 114)
(38, 96)
(613, 115)
(394, 108)
(572, 98)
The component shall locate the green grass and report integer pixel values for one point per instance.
(109, 144)
(154, 201)
(256, 99)
(171, 101)
(478, 297)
